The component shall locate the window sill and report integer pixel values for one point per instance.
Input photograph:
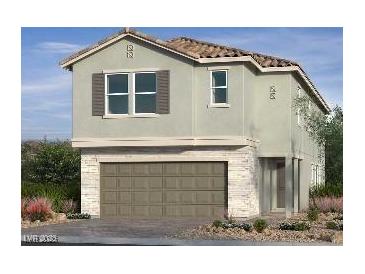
(124, 116)
(219, 106)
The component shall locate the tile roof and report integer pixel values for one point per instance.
(193, 48)
(196, 49)
(209, 50)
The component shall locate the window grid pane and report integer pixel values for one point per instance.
(145, 82)
(117, 83)
(219, 95)
(118, 104)
(145, 103)
(219, 79)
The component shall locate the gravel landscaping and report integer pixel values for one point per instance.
(318, 231)
(57, 218)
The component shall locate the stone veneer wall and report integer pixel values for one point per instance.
(243, 190)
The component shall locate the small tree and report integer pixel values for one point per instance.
(327, 132)
(53, 162)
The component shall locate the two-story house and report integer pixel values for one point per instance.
(185, 128)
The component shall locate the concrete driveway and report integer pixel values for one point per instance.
(122, 228)
(127, 232)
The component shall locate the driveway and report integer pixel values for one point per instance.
(121, 228)
(132, 232)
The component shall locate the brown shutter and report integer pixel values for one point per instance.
(163, 92)
(98, 94)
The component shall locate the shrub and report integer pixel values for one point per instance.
(78, 216)
(260, 225)
(217, 223)
(297, 226)
(312, 214)
(39, 209)
(328, 204)
(338, 225)
(68, 206)
(245, 226)
(55, 162)
(326, 190)
(56, 193)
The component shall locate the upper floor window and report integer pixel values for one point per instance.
(131, 93)
(117, 93)
(218, 87)
(145, 92)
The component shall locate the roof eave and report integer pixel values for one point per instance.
(67, 63)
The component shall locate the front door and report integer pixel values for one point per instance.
(280, 167)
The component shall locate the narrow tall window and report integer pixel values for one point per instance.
(219, 87)
(145, 92)
(117, 94)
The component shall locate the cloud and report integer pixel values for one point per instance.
(46, 105)
(56, 83)
(58, 47)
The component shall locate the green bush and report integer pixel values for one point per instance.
(297, 226)
(78, 216)
(56, 193)
(217, 223)
(50, 162)
(245, 226)
(227, 224)
(334, 225)
(260, 225)
(326, 190)
(312, 214)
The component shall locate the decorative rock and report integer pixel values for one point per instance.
(61, 217)
(316, 233)
(337, 238)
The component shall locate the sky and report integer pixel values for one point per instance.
(46, 90)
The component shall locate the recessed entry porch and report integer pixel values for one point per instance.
(279, 185)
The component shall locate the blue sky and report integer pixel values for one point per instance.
(46, 88)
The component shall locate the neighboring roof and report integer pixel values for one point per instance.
(197, 50)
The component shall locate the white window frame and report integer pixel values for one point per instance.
(226, 104)
(147, 92)
(131, 96)
(106, 86)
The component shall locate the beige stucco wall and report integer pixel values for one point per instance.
(267, 119)
(243, 193)
(177, 123)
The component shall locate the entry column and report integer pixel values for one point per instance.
(288, 186)
(296, 185)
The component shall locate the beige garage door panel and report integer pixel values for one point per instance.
(195, 189)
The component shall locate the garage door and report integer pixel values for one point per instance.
(188, 189)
